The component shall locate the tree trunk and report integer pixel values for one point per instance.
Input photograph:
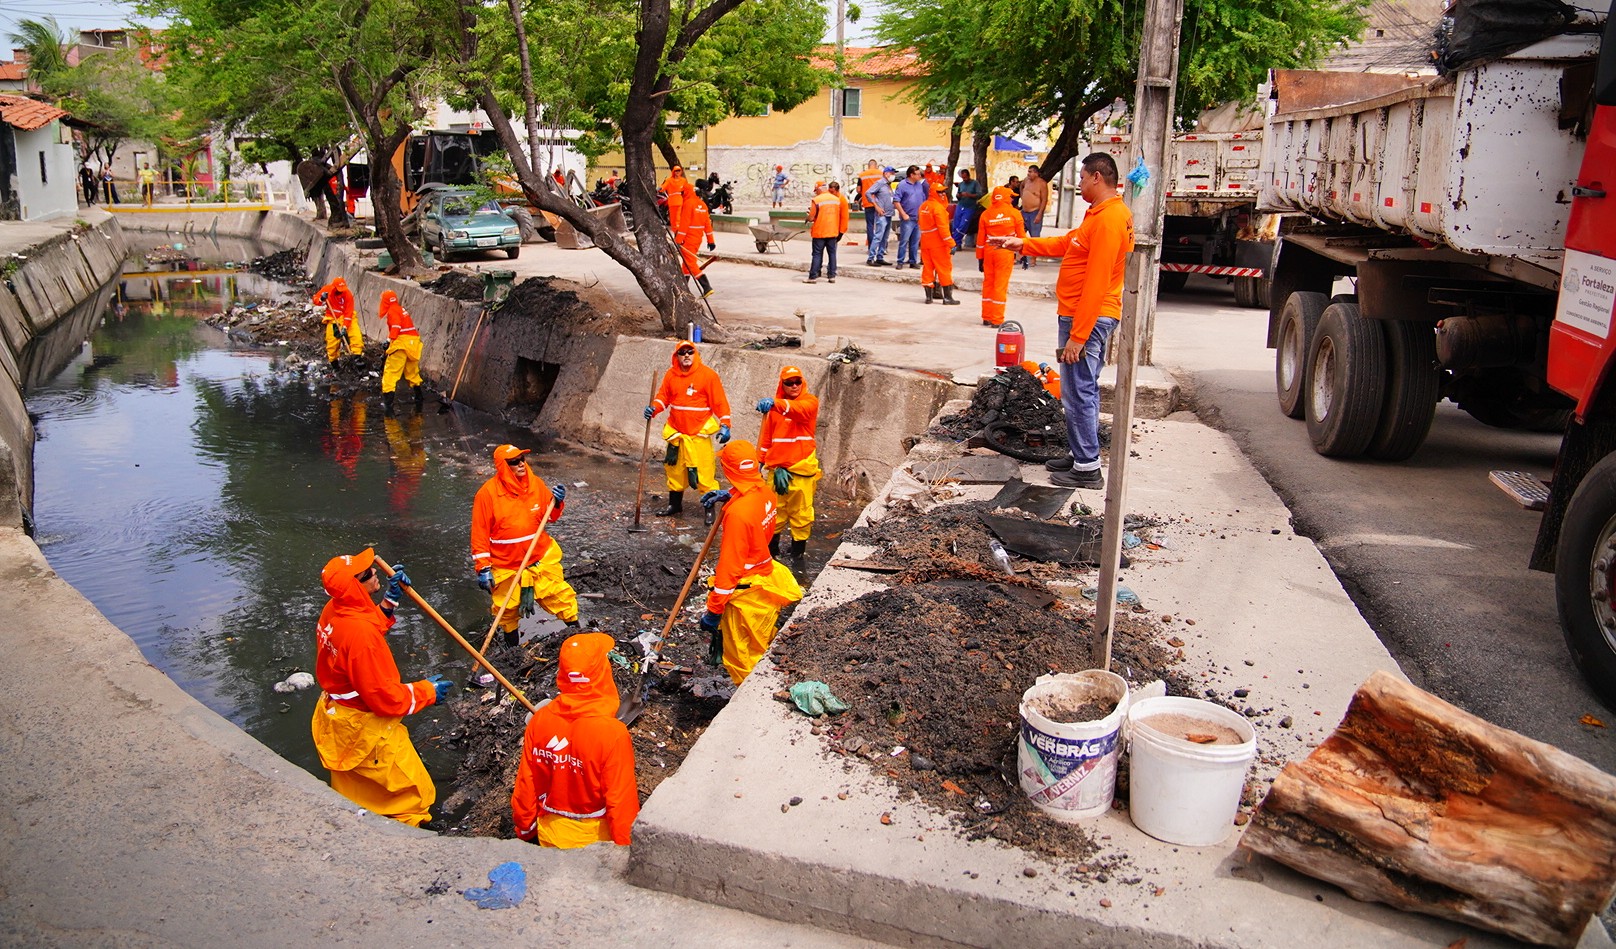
(385, 192)
(1065, 146)
(956, 131)
(1418, 804)
(980, 143)
(664, 144)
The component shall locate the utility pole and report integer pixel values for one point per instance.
(1152, 133)
(838, 102)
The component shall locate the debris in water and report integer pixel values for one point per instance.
(294, 682)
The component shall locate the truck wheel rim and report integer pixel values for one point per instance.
(1290, 354)
(1324, 380)
(1602, 582)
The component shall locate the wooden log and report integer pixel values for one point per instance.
(1418, 804)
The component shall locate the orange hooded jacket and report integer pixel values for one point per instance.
(398, 322)
(1001, 219)
(934, 223)
(787, 436)
(748, 524)
(352, 661)
(1093, 260)
(505, 515)
(679, 190)
(577, 758)
(690, 397)
(338, 301)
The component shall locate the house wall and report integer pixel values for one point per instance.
(56, 193)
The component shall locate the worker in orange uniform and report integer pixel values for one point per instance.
(698, 224)
(827, 222)
(697, 410)
(356, 726)
(339, 323)
(936, 248)
(749, 586)
(1001, 219)
(1088, 303)
(403, 351)
(575, 784)
(504, 518)
(934, 177)
(679, 191)
(786, 443)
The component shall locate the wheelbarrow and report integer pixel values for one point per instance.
(765, 234)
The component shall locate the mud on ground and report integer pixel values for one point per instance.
(936, 665)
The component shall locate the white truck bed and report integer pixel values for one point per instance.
(1477, 163)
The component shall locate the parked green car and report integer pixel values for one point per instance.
(454, 223)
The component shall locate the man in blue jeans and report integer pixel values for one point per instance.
(911, 194)
(1088, 301)
(881, 201)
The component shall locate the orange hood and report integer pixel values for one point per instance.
(341, 581)
(673, 360)
(389, 304)
(790, 372)
(584, 677)
(511, 484)
(1002, 195)
(740, 463)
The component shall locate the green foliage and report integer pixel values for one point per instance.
(1025, 62)
(119, 97)
(45, 44)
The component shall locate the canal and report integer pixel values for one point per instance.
(192, 485)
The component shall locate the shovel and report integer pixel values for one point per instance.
(629, 711)
(645, 446)
(428, 610)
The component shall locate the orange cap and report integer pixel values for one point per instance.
(507, 452)
(790, 372)
(351, 565)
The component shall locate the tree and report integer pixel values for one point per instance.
(46, 47)
(617, 70)
(1028, 63)
(111, 91)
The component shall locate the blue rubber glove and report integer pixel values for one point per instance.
(765, 406)
(782, 481)
(507, 888)
(650, 413)
(560, 492)
(714, 497)
(715, 639)
(485, 579)
(709, 621)
(397, 582)
(723, 434)
(442, 685)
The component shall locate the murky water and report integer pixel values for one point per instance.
(193, 492)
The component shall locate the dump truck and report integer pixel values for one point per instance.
(1470, 212)
(1212, 225)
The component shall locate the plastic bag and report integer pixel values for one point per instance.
(507, 887)
(1124, 594)
(1138, 177)
(814, 698)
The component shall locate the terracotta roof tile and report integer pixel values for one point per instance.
(872, 62)
(27, 114)
(13, 72)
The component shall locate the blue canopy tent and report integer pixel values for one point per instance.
(1004, 143)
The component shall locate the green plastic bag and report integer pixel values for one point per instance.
(814, 698)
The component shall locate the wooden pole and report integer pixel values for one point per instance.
(645, 446)
(428, 610)
(516, 581)
(1152, 134)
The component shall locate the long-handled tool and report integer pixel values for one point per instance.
(516, 581)
(482, 313)
(645, 446)
(428, 610)
(636, 703)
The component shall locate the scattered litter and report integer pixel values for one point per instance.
(580, 484)
(487, 678)
(647, 641)
(1124, 594)
(1130, 540)
(507, 887)
(619, 660)
(294, 682)
(814, 698)
(1040, 500)
(1051, 543)
(1591, 721)
(716, 686)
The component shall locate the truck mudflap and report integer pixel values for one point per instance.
(1214, 270)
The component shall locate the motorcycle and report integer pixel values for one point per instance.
(720, 196)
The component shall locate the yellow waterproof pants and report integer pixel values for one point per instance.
(403, 361)
(749, 618)
(695, 451)
(550, 590)
(568, 833)
(372, 762)
(797, 504)
(334, 340)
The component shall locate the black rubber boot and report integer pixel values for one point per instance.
(420, 394)
(930, 293)
(511, 639)
(774, 546)
(570, 624)
(798, 549)
(948, 296)
(387, 402)
(706, 288)
(676, 505)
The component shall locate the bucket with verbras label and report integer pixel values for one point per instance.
(1068, 770)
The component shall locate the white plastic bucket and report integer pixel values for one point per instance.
(1069, 769)
(1180, 791)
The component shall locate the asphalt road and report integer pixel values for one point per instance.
(1433, 554)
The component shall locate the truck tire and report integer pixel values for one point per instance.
(1585, 578)
(1345, 385)
(1298, 321)
(1173, 281)
(1413, 386)
(1251, 292)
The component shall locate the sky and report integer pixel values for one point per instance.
(73, 15)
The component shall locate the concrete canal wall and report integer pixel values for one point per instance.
(55, 278)
(593, 387)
